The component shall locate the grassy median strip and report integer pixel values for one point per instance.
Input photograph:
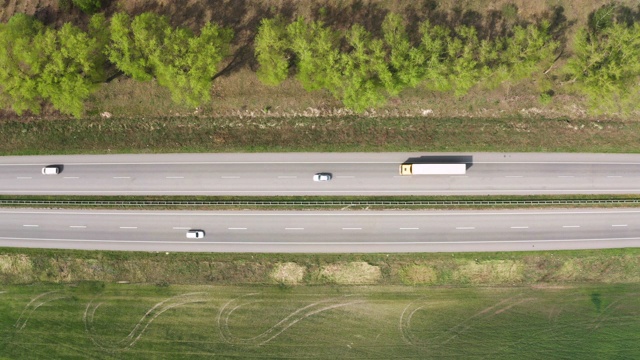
(318, 202)
(348, 133)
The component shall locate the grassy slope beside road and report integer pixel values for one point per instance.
(200, 134)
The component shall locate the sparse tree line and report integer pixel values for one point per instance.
(63, 67)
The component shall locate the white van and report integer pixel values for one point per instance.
(50, 170)
(195, 234)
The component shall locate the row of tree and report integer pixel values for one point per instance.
(363, 71)
(64, 66)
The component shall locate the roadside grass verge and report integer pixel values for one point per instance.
(27, 266)
(296, 134)
(91, 320)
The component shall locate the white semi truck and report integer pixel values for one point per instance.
(433, 169)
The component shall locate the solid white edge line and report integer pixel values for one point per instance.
(327, 243)
(350, 192)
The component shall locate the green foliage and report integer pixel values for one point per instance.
(149, 47)
(407, 64)
(317, 55)
(602, 18)
(131, 44)
(271, 47)
(528, 50)
(20, 64)
(362, 69)
(368, 70)
(510, 12)
(88, 6)
(61, 66)
(605, 65)
(457, 61)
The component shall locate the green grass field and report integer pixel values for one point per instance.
(90, 321)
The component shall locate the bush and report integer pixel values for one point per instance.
(87, 6)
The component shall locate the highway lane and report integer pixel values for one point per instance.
(322, 231)
(291, 173)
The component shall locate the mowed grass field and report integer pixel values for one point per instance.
(91, 321)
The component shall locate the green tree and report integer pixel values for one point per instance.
(523, 53)
(43, 64)
(362, 69)
(188, 63)
(20, 64)
(317, 56)
(407, 64)
(272, 51)
(606, 64)
(73, 69)
(133, 42)
(149, 47)
(88, 6)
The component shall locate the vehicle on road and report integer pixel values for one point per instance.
(195, 234)
(433, 169)
(322, 177)
(51, 170)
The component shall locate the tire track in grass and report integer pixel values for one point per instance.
(144, 322)
(454, 331)
(34, 304)
(298, 315)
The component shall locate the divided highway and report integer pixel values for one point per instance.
(291, 174)
(357, 231)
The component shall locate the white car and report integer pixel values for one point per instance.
(322, 177)
(195, 234)
(51, 170)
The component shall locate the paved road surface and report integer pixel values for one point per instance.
(336, 231)
(291, 173)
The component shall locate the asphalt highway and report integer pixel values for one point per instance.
(325, 231)
(291, 174)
